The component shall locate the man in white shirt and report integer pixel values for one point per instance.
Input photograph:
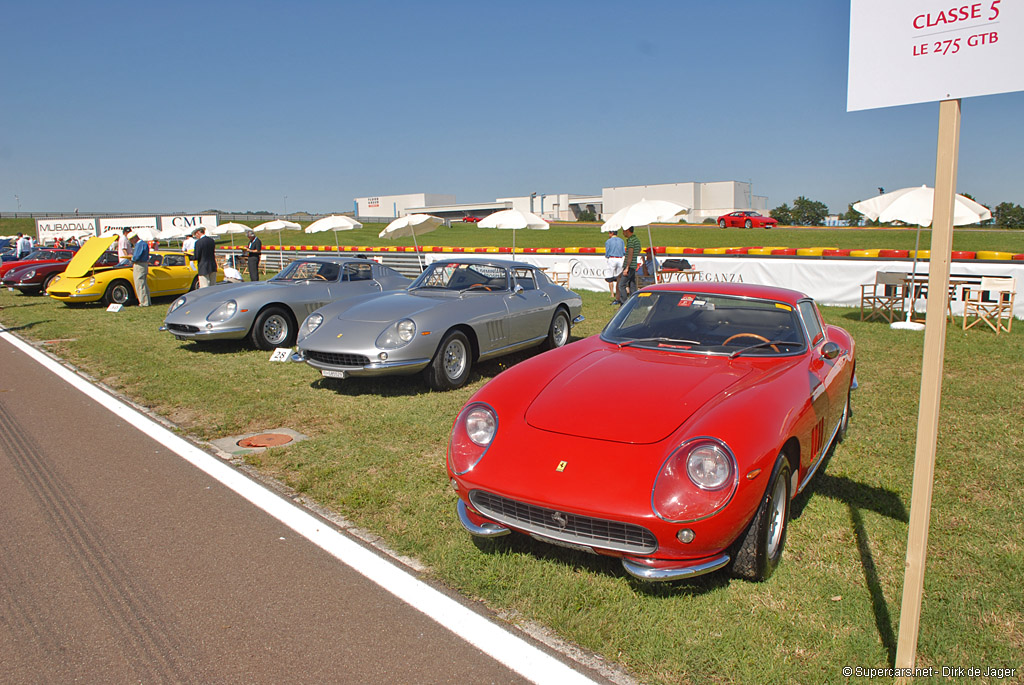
(124, 247)
(23, 246)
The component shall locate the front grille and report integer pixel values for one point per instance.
(57, 293)
(338, 358)
(182, 328)
(581, 530)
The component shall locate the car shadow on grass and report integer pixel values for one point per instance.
(24, 326)
(859, 497)
(217, 347)
(413, 384)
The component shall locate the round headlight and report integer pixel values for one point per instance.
(481, 425)
(31, 273)
(397, 335)
(406, 330)
(311, 323)
(223, 312)
(180, 302)
(709, 466)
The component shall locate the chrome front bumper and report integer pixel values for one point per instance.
(653, 573)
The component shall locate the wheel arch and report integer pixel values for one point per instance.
(470, 333)
(279, 305)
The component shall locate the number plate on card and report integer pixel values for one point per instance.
(331, 373)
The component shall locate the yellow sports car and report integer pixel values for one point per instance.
(170, 273)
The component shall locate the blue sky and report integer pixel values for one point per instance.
(187, 106)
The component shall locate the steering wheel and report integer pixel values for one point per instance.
(748, 335)
(480, 285)
(320, 277)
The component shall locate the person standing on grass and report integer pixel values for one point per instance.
(140, 269)
(124, 246)
(614, 252)
(206, 257)
(188, 246)
(253, 252)
(627, 280)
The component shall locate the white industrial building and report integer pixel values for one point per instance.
(704, 199)
(394, 206)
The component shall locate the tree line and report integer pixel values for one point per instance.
(807, 212)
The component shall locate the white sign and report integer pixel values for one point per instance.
(48, 230)
(829, 281)
(281, 354)
(145, 226)
(908, 51)
(180, 226)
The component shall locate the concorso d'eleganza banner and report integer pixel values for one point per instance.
(908, 51)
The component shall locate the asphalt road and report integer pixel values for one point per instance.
(122, 562)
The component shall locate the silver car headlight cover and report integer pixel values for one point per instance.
(398, 334)
(31, 273)
(223, 312)
(88, 283)
(180, 302)
(311, 323)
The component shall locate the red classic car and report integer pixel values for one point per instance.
(746, 219)
(673, 440)
(35, 277)
(41, 256)
(471, 219)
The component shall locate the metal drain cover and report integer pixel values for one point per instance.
(265, 440)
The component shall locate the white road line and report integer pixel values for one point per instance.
(505, 647)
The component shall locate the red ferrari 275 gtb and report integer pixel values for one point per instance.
(674, 440)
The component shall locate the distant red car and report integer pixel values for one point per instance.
(471, 219)
(45, 255)
(739, 391)
(746, 219)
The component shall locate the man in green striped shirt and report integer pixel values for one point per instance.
(627, 281)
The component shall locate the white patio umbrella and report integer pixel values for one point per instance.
(333, 223)
(229, 228)
(277, 225)
(914, 206)
(408, 225)
(644, 213)
(514, 220)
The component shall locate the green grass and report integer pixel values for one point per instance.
(589, 235)
(377, 450)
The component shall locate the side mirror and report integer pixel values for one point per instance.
(831, 350)
(517, 289)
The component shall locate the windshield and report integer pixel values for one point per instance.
(697, 322)
(462, 276)
(302, 270)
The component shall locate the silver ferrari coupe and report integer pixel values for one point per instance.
(457, 312)
(268, 312)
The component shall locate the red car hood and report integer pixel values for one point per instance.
(630, 395)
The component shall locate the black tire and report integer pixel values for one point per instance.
(844, 423)
(195, 284)
(119, 292)
(273, 328)
(759, 550)
(748, 224)
(450, 367)
(558, 331)
(47, 282)
(721, 223)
